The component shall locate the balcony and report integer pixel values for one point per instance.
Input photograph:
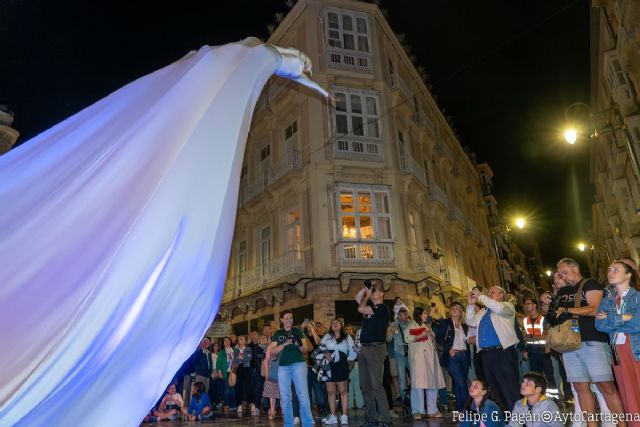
(436, 194)
(254, 188)
(404, 89)
(354, 147)
(424, 263)
(443, 150)
(409, 165)
(292, 262)
(365, 254)
(453, 279)
(455, 214)
(291, 161)
(471, 231)
(350, 60)
(277, 270)
(423, 121)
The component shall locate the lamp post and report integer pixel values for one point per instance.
(571, 134)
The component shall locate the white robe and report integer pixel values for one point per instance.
(116, 228)
(424, 366)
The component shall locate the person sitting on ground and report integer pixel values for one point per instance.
(480, 410)
(200, 405)
(536, 406)
(170, 405)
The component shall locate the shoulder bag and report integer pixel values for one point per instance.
(565, 337)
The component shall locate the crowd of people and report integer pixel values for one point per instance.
(578, 344)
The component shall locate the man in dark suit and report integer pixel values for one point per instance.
(203, 363)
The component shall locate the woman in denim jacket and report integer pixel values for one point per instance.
(619, 316)
(242, 355)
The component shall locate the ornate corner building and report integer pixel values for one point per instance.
(376, 187)
(615, 151)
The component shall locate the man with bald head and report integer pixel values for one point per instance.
(496, 341)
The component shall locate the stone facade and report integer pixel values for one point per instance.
(615, 153)
(376, 187)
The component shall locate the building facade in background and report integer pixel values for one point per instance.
(8, 135)
(376, 187)
(615, 151)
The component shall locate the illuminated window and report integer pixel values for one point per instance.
(364, 215)
(356, 113)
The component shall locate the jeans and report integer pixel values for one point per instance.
(459, 371)
(228, 394)
(296, 373)
(318, 389)
(355, 394)
(402, 363)
(417, 400)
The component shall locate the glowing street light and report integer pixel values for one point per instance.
(520, 222)
(548, 273)
(582, 246)
(571, 136)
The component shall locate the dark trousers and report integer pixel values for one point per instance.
(215, 392)
(502, 374)
(459, 371)
(258, 381)
(477, 364)
(317, 390)
(540, 362)
(244, 388)
(387, 379)
(370, 371)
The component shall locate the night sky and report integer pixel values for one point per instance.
(503, 71)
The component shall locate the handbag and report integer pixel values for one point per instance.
(232, 379)
(273, 369)
(565, 337)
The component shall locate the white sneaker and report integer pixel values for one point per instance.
(330, 420)
(296, 420)
(344, 420)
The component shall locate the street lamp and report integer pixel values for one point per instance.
(548, 273)
(570, 135)
(520, 222)
(581, 247)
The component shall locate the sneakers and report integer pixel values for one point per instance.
(344, 420)
(330, 420)
(296, 421)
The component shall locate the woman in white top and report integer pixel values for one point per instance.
(426, 373)
(170, 406)
(338, 351)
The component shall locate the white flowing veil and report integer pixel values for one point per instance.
(116, 230)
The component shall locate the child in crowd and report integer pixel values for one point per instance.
(170, 406)
(480, 410)
(200, 406)
(397, 306)
(535, 406)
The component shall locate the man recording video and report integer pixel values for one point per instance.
(373, 352)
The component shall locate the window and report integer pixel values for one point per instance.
(242, 256)
(291, 130)
(356, 113)
(294, 232)
(265, 153)
(265, 246)
(364, 214)
(348, 30)
(411, 222)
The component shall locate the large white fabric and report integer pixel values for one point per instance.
(116, 230)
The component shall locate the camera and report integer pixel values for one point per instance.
(369, 285)
(290, 335)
